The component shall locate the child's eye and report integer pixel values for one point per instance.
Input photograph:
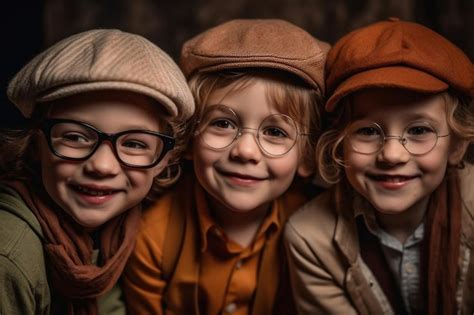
(367, 131)
(134, 144)
(419, 130)
(74, 137)
(274, 132)
(222, 123)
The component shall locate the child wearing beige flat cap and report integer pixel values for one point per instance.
(213, 245)
(395, 234)
(105, 110)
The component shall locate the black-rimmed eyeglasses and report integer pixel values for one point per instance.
(77, 141)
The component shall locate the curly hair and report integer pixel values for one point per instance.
(288, 93)
(329, 152)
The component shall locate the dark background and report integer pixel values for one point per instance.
(32, 25)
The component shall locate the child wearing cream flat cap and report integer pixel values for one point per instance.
(105, 110)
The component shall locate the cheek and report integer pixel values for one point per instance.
(203, 161)
(55, 174)
(355, 162)
(140, 180)
(355, 165)
(284, 167)
(204, 157)
(434, 165)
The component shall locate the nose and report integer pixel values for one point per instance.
(103, 163)
(393, 151)
(245, 148)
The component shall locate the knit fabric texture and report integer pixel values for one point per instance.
(102, 59)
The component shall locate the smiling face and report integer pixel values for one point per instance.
(393, 180)
(97, 189)
(240, 178)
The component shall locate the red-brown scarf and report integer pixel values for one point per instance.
(440, 251)
(69, 248)
(444, 230)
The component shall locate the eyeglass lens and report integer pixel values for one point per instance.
(368, 137)
(220, 126)
(77, 141)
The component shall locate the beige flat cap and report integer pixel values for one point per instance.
(257, 43)
(102, 59)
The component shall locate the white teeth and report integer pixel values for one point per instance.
(394, 179)
(93, 192)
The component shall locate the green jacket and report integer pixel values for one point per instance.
(24, 285)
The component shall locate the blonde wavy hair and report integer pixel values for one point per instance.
(288, 93)
(329, 152)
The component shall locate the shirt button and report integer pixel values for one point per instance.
(230, 308)
(409, 268)
(238, 265)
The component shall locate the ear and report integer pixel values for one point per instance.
(304, 171)
(458, 150)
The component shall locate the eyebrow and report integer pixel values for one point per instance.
(410, 116)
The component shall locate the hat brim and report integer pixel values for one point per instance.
(269, 64)
(78, 88)
(387, 77)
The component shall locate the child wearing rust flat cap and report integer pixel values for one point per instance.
(212, 246)
(395, 234)
(105, 110)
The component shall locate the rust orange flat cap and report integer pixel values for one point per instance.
(396, 54)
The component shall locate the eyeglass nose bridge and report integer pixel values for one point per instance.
(242, 130)
(106, 137)
(403, 141)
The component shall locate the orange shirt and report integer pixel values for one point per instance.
(227, 274)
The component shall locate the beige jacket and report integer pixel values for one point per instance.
(328, 274)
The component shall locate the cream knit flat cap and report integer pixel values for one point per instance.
(102, 59)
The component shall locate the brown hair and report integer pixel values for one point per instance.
(288, 93)
(18, 147)
(329, 154)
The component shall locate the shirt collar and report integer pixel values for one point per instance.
(208, 225)
(363, 208)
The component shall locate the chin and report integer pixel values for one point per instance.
(389, 209)
(89, 222)
(238, 208)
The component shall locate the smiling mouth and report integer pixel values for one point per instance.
(242, 176)
(391, 178)
(93, 192)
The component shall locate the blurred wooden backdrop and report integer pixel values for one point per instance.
(33, 25)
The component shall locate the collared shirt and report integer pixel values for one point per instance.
(227, 272)
(403, 259)
(222, 258)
